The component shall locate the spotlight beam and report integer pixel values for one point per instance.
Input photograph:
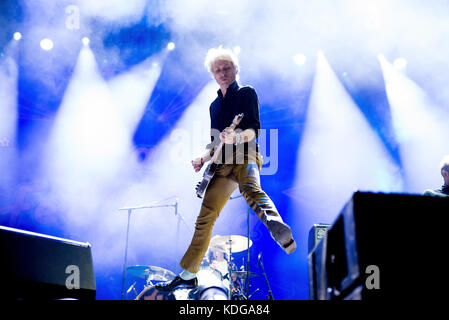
(340, 152)
(420, 127)
(8, 118)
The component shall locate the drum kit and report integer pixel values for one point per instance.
(218, 276)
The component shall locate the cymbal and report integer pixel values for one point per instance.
(235, 243)
(151, 273)
(217, 248)
(242, 274)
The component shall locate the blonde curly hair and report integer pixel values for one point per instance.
(220, 54)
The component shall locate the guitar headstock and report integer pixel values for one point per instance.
(237, 120)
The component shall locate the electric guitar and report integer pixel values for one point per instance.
(212, 167)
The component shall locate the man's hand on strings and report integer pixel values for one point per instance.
(198, 163)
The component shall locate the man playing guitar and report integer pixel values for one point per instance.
(239, 166)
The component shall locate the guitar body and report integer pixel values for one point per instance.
(207, 177)
(209, 173)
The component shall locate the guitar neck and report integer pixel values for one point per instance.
(217, 150)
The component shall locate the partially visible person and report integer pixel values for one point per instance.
(444, 190)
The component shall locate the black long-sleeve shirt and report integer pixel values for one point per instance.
(238, 99)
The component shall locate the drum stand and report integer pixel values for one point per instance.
(231, 284)
(130, 210)
(270, 293)
(247, 259)
(246, 295)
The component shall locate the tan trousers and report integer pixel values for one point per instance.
(226, 179)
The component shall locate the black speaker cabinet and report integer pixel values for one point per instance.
(317, 231)
(36, 266)
(383, 246)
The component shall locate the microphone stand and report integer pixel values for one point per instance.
(130, 210)
(270, 293)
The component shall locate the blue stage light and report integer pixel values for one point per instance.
(300, 58)
(400, 63)
(46, 44)
(171, 46)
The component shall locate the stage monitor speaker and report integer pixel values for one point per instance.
(317, 231)
(382, 246)
(36, 266)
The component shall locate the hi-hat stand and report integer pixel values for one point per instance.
(130, 210)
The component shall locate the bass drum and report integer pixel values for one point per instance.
(210, 287)
(208, 276)
(151, 293)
